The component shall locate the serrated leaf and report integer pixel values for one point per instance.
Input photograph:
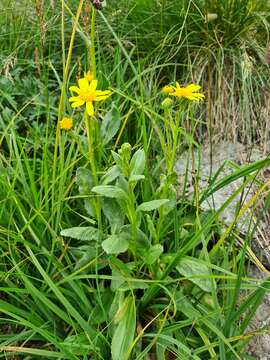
(82, 233)
(116, 244)
(125, 331)
(110, 125)
(110, 191)
(193, 268)
(152, 205)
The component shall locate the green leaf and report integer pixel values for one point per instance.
(152, 205)
(103, 300)
(137, 163)
(125, 331)
(110, 191)
(193, 268)
(78, 344)
(116, 244)
(135, 178)
(153, 254)
(88, 254)
(113, 213)
(184, 305)
(82, 233)
(110, 125)
(110, 175)
(85, 181)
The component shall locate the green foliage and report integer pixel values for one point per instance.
(101, 257)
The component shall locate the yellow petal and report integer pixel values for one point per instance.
(93, 85)
(90, 108)
(193, 87)
(89, 76)
(101, 97)
(77, 103)
(74, 98)
(83, 84)
(75, 89)
(101, 92)
(168, 89)
(178, 85)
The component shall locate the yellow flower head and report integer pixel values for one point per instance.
(89, 76)
(66, 123)
(87, 93)
(189, 92)
(168, 89)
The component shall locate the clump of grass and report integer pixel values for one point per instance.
(99, 257)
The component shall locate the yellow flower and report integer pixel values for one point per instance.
(168, 89)
(87, 93)
(188, 92)
(89, 76)
(66, 123)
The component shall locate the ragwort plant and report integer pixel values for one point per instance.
(137, 273)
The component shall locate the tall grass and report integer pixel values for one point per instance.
(159, 277)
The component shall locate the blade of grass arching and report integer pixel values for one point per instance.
(154, 289)
(29, 171)
(240, 214)
(29, 322)
(181, 350)
(19, 350)
(206, 341)
(84, 303)
(69, 307)
(249, 306)
(119, 43)
(221, 337)
(25, 335)
(36, 294)
(243, 172)
(236, 287)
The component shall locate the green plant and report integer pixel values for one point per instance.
(100, 256)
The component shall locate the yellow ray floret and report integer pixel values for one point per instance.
(66, 123)
(89, 76)
(189, 92)
(87, 93)
(168, 89)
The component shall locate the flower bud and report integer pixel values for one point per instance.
(98, 4)
(167, 103)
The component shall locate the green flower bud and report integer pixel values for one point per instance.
(167, 103)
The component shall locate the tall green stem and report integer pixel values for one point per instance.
(92, 44)
(90, 130)
(62, 98)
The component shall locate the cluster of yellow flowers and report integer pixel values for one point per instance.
(87, 93)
